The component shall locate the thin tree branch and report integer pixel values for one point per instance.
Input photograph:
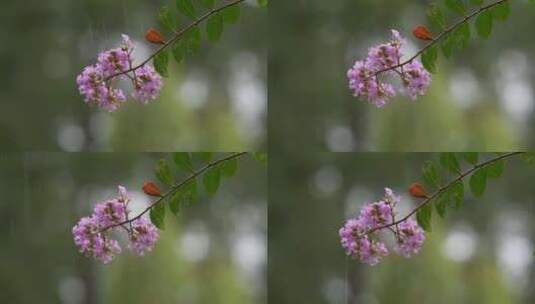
(176, 36)
(444, 188)
(175, 188)
(440, 36)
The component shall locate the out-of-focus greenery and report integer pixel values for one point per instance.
(214, 252)
(481, 99)
(215, 100)
(481, 253)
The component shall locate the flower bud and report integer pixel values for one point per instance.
(151, 189)
(422, 33)
(417, 190)
(153, 36)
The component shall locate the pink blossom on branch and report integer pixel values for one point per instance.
(109, 212)
(361, 246)
(416, 79)
(410, 238)
(96, 91)
(147, 85)
(360, 236)
(143, 236)
(384, 59)
(92, 234)
(96, 83)
(92, 243)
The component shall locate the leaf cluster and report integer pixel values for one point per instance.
(457, 35)
(189, 42)
(208, 175)
(445, 178)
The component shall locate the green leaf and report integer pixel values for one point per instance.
(160, 62)
(157, 215)
(429, 174)
(163, 172)
(456, 192)
(501, 11)
(441, 203)
(260, 156)
(456, 40)
(470, 157)
(190, 192)
(495, 169)
(456, 6)
(447, 45)
(461, 36)
(214, 27)
(476, 2)
(229, 167)
(211, 180)
(189, 44)
(423, 216)
(449, 161)
(179, 51)
(484, 24)
(184, 196)
(192, 40)
(429, 58)
(165, 20)
(262, 3)
(183, 161)
(451, 197)
(186, 8)
(174, 202)
(478, 182)
(208, 3)
(528, 157)
(435, 16)
(231, 14)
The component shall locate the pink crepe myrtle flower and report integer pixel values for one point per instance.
(96, 83)
(143, 237)
(96, 91)
(92, 234)
(109, 213)
(360, 246)
(391, 197)
(410, 238)
(360, 236)
(372, 251)
(113, 61)
(147, 85)
(365, 85)
(92, 243)
(376, 214)
(349, 234)
(386, 58)
(123, 196)
(416, 79)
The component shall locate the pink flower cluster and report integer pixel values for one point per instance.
(360, 236)
(97, 82)
(92, 234)
(386, 58)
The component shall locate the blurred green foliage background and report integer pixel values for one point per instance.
(214, 252)
(213, 101)
(482, 99)
(481, 253)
